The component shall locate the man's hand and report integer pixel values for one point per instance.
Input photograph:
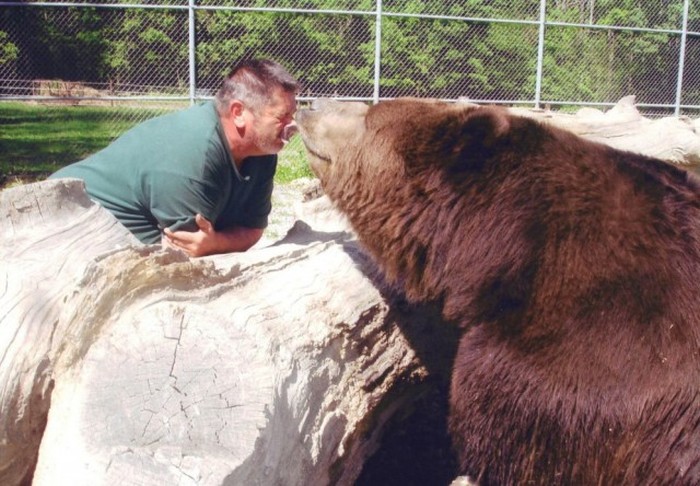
(207, 241)
(194, 243)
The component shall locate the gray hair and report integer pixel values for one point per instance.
(252, 82)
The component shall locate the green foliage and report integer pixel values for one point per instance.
(66, 46)
(321, 50)
(9, 52)
(334, 53)
(148, 47)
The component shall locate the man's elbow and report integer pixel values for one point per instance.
(253, 236)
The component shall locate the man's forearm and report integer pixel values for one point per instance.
(238, 238)
(207, 241)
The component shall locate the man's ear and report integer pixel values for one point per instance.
(236, 110)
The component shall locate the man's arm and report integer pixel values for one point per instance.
(207, 241)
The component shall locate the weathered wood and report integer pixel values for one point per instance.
(673, 139)
(50, 232)
(277, 366)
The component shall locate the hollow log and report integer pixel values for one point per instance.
(50, 233)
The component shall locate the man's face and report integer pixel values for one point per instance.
(267, 125)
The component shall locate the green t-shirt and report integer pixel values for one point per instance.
(165, 170)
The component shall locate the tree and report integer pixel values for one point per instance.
(9, 52)
(148, 50)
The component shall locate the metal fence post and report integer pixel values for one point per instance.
(377, 51)
(191, 53)
(540, 53)
(681, 57)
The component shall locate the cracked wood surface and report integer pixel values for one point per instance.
(49, 233)
(276, 366)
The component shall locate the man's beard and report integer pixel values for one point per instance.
(268, 145)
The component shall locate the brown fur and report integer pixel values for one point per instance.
(572, 267)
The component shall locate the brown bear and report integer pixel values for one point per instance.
(571, 267)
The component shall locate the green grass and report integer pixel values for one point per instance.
(37, 140)
(292, 162)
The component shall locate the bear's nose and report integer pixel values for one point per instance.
(289, 131)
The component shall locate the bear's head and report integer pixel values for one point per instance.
(406, 134)
(412, 176)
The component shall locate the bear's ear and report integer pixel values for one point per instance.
(460, 140)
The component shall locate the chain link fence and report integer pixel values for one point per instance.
(164, 54)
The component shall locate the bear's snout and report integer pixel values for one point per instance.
(329, 128)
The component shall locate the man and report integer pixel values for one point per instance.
(199, 179)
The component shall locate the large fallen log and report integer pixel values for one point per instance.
(50, 232)
(671, 138)
(277, 366)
